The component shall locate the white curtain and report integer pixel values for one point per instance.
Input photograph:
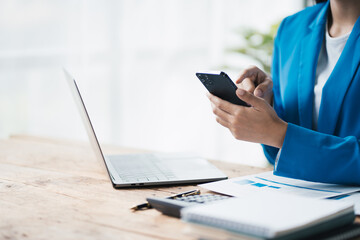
(135, 61)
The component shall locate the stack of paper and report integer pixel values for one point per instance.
(270, 183)
(272, 215)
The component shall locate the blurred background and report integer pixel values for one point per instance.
(135, 62)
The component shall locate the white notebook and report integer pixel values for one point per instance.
(269, 215)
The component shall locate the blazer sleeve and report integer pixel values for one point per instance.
(308, 154)
(319, 157)
(311, 155)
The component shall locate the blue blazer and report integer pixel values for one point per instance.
(332, 153)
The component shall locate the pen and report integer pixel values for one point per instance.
(184, 194)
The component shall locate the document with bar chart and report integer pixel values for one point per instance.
(269, 182)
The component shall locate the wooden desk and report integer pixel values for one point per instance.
(53, 189)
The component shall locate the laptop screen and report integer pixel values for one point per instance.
(86, 119)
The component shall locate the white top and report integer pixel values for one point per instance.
(329, 55)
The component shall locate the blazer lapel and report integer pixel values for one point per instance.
(339, 81)
(309, 54)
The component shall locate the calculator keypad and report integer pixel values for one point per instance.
(202, 198)
(172, 207)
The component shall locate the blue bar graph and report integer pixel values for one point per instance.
(255, 184)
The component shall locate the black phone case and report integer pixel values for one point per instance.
(221, 86)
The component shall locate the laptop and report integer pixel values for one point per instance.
(146, 169)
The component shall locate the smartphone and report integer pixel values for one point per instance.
(220, 84)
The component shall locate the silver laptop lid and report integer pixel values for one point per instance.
(86, 120)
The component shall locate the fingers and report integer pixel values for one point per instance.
(221, 104)
(220, 113)
(249, 72)
(263, 88)
(223, 123)
(247, 85)
(249, 98)
(221, 117)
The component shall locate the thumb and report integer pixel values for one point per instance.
(250, 98)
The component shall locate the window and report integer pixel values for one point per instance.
(135, 61)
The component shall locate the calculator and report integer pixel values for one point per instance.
(172, 207)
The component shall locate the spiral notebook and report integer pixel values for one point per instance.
(272, 216)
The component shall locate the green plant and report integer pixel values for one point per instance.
(258, 45)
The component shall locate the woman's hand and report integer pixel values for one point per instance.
(258, 123)
(257, 82)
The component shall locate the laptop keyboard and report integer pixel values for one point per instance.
(139, 168)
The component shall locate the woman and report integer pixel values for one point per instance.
(312, 132)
